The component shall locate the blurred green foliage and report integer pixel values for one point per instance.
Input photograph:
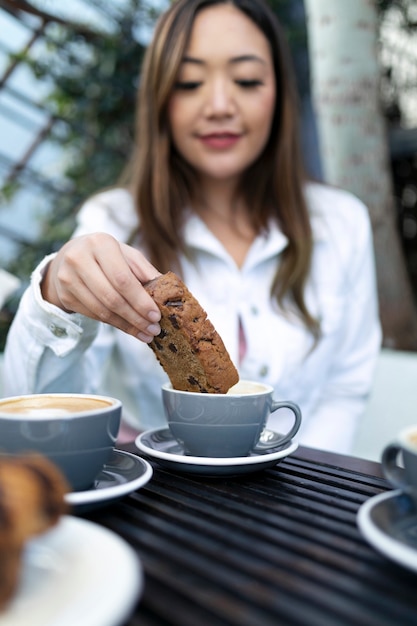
(93, 82)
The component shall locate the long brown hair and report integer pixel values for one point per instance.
(161, 180)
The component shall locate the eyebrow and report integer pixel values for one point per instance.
(234, 60)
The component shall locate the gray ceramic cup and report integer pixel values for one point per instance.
(224, 425)
(403, 476)
(77, 432)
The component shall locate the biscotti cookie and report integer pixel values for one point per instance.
(32, 500)
(188, 347)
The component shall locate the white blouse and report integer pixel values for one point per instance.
(49, 350)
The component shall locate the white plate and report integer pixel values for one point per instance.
(160, 444)
(389, 522)
(123, 474)
(76, 574)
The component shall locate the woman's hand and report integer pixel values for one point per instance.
(99, 277)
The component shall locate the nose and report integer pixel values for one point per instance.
(220, 100)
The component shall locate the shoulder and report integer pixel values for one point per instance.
(336, 213)
(343, 254)
(111, 211)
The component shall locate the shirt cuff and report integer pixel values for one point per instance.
(58, 330)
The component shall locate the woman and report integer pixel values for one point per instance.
(215, 191)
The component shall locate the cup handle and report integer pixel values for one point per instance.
(392, 471)
(286, 404)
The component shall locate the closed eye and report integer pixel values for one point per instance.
(249, 84)
(187, 85)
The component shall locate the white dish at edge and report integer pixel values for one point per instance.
(388, 522)
(122, 474)
(160, 444)
(76, 574)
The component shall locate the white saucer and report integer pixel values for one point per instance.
(389, 522)
(160, 444)
(78, 573)
(123, 474)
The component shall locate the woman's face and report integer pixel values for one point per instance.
(222, 106)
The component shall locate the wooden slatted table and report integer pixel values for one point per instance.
(276, 548)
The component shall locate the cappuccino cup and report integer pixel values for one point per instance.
(77, 432)
(399, 460)
(224, 425)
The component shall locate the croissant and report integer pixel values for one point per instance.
(32, 491)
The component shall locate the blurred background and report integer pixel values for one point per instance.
(68, 79)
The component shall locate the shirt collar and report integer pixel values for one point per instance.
(266, 245)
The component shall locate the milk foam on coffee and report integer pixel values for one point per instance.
(244, 387)
(411, 439)
(49, 406)
(41, 412)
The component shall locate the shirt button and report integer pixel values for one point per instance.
(58, 331)
(254, 310)
(264, 371)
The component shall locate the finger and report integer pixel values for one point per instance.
(139, 264)
(86, 303)
(83, 286)
(123, 275)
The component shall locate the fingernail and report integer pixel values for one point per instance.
(144, 337)
(153, 329)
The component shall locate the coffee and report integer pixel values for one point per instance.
(246, 387)
(412, 438)
(224, 425)
(399, 460)
(48, 406)
(77, 432)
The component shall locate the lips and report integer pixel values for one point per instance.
(220, 141)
